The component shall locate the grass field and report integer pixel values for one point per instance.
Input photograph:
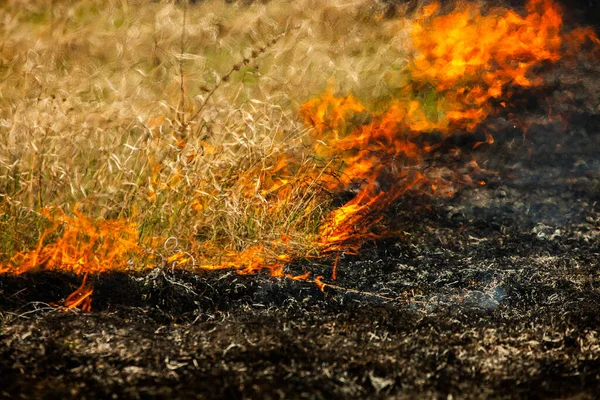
(243, 135)
(168, 115)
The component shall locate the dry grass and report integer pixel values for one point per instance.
(104, 104)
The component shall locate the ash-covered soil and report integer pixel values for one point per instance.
(494, 292)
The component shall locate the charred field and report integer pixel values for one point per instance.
(358, 199)
(492, 293)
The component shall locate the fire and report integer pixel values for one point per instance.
(470, 57)
(498, 47)
(465, 64)
(462, 61)
(85, 246)
(82, 297)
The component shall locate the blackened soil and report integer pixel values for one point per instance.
(494, 292)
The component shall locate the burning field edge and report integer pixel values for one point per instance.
(494, 293)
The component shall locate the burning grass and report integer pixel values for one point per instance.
(177, 128)
(84, 245)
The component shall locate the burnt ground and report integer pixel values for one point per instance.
(496, 294)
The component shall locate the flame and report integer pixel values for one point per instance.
(86, 245)
(462, 61)
(82, 297)
(470, 57)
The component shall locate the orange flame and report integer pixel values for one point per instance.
(82, 297)
(86, 245)
(470, 57)
(467, 58)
